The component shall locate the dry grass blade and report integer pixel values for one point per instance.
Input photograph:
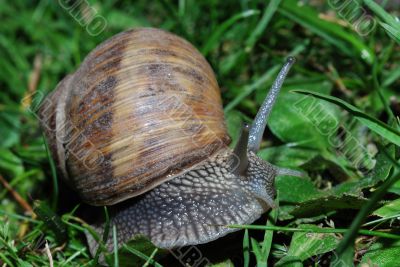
(20, 200)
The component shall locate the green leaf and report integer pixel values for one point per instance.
(395, 188)
(326, 204)
(380, 172)
(226, 263)
(307, 121)
(330, 162)
(389, 209)
(305, 245)
(383, 254)
(344, 260)
(286, 156)
(305, 189)
(349, 238)
(373, 124)
(289, 261)
(288, 198)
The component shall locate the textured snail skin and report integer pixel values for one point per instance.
(192, 208)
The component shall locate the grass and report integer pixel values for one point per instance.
(337, 119)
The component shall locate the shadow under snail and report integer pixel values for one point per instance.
(140, 126)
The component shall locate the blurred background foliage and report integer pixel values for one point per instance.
(345, 136)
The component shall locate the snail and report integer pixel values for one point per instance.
(140, 127)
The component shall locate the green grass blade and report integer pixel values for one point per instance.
(141, 255)
(105, 234)
(150, 259)
(378, 90)
(18, 217)
(246, 249)
(72, 257)
(171, 10)
(53, 176)
(312, 230)
(6, 260)
(381, 13)
(262, 25)
(52, 221)
(241, 56)
(392, 77)
(214, 39)
(382, 220)
(106, 224)
(392, 31)
(331, 32)
(391, 25)
(257, 253)
(373, 124)
(116, 259)
(247, 90)
(268, 235)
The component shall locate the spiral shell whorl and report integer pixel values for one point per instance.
(143, 107)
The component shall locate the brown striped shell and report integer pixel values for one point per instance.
(142, 108)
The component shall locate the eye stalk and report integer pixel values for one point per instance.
(250, 137)
(259, 123)
(240, 160)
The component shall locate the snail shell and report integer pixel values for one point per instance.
(142, 108)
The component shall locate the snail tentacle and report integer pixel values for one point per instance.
(289, 172)
(240, 160)
(259, 123)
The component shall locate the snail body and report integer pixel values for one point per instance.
(139, 127)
